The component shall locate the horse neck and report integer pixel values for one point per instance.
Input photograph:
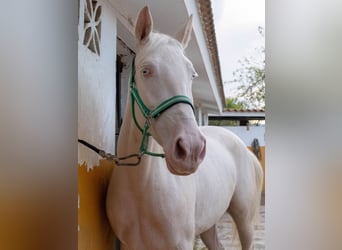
(130, 136)
(129, 143)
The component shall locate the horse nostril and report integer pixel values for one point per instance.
(180, 149)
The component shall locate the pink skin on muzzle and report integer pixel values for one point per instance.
(186, 154)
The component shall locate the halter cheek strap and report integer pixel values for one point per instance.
(149, 114)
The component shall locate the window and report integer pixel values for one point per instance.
(92, 25)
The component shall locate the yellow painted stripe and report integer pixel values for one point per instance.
(262, 161)
(94, 232)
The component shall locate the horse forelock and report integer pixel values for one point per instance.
(156, 40)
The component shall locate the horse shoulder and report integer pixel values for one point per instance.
(216, 177)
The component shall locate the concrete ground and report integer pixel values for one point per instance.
(229, 237)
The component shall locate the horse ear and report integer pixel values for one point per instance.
(144, 25)
(184, 35)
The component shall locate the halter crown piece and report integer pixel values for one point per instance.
(148, 114)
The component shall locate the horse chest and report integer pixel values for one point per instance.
(148, 210)
(153, 200)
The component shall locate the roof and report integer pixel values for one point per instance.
(244, 110)
(240, 114)
(206, 15)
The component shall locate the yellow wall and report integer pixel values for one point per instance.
(262, 161)
(94, 232)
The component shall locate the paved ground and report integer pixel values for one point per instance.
(229, 237)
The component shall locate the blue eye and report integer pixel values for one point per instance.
(146, 72)
(194, 75)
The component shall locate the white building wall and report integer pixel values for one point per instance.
(198, 114)
(248, 133)
(205, 119)
(201, 116)
(96, 88)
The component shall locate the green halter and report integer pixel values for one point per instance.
(148, 114)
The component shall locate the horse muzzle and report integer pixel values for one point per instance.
(187, 153)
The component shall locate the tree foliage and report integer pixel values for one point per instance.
(251, 79)
(231, 103)
(234, 103)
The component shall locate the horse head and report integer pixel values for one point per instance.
(162, 71)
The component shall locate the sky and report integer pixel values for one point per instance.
(236, 25)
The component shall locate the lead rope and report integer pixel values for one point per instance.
(110, 157)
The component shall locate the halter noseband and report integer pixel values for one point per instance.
(149, 114)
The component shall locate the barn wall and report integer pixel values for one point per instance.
(126, 55)
(247, 134)
(94, 231)
(96, 124)
(96, 90)
(262, 161)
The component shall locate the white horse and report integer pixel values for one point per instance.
(163, 203)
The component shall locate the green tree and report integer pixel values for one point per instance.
(231, 103)
(251, 79)
(234, 103)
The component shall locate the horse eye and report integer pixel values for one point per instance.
(194, 75)
(146, 72)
